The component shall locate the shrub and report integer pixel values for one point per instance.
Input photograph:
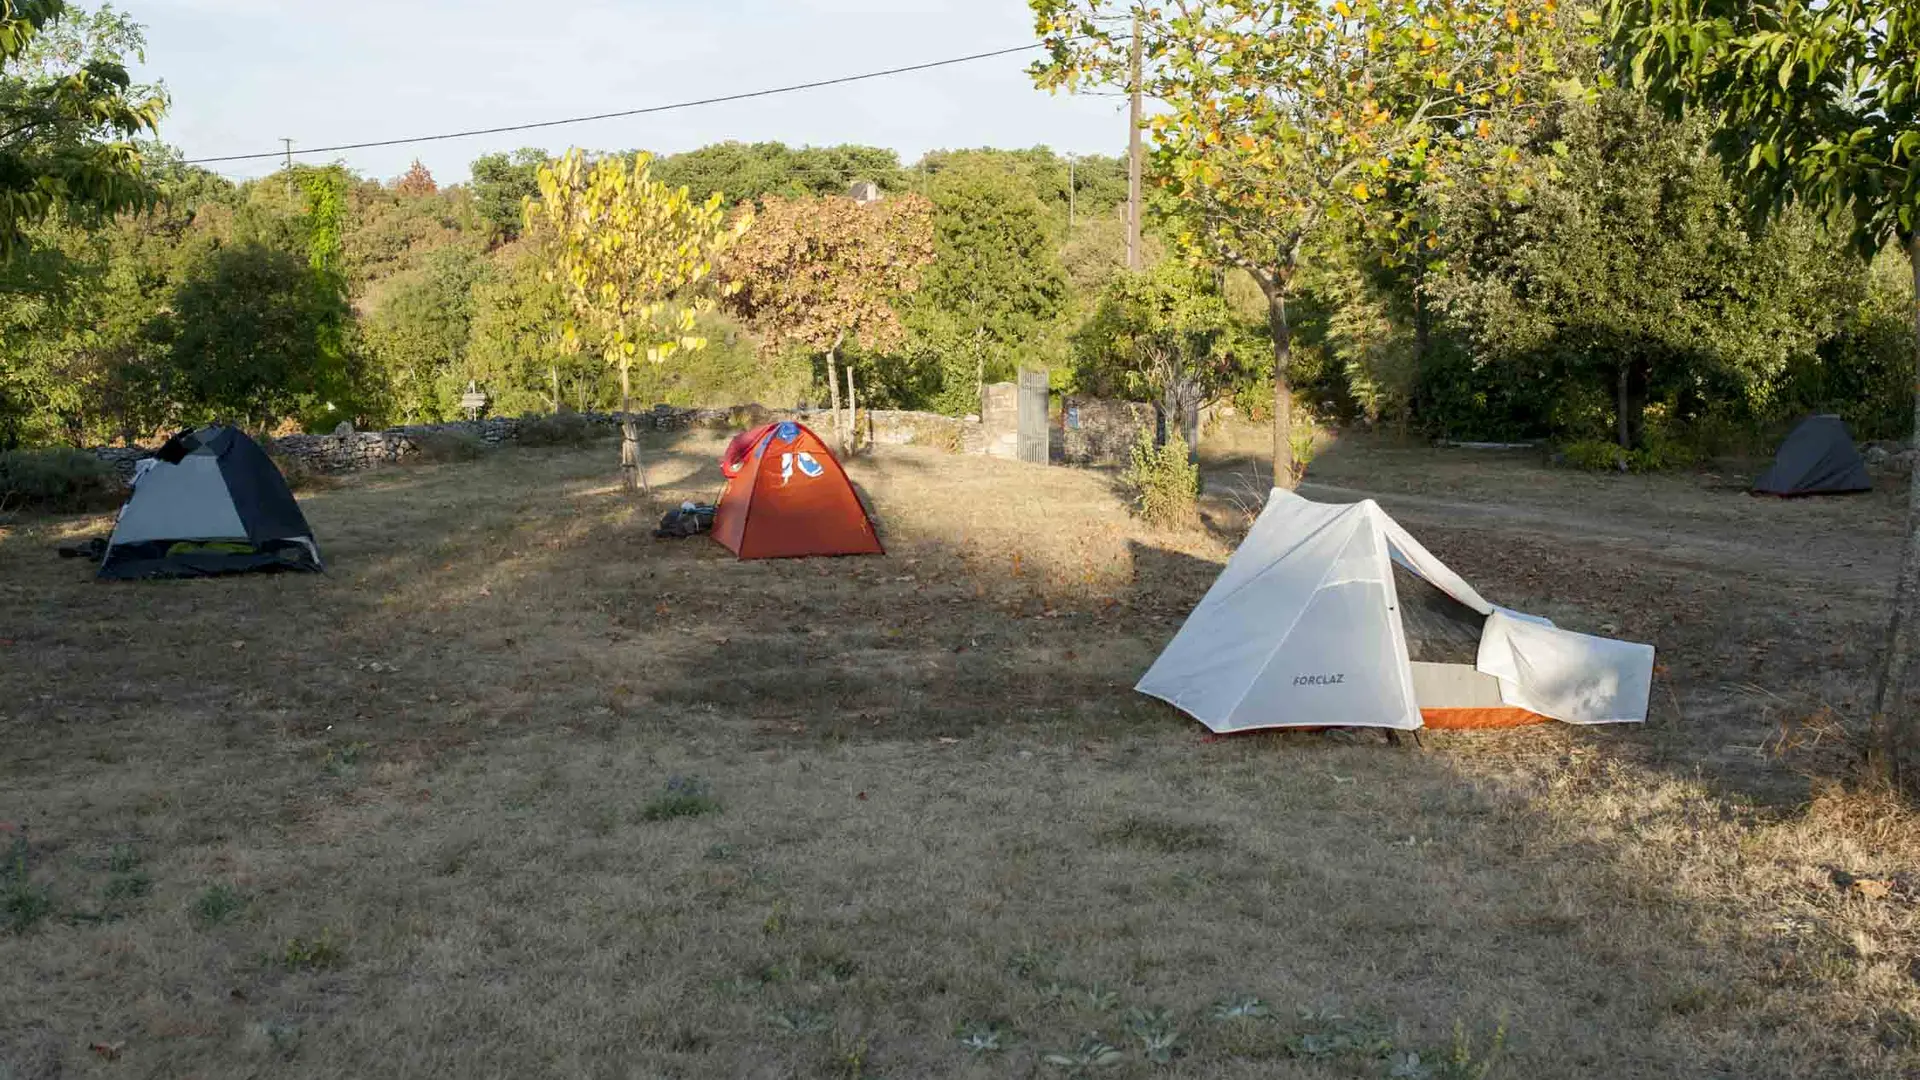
(1659, 454)
(1163, 480)
(559, 429)
(58, 479)
(445, 446)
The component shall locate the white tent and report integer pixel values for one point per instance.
(1303, 629)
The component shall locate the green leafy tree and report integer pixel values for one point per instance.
(995, 282)
(1088, 187)
(744, 172)
(420, 333)
(1168, 336)
(69, 115)
(819, 273)
(501, 184)
(1280, 119)
(387, 233)
(247, 336)
(515, 348)
(635, 258)
(1632, 279)
(1816, 103)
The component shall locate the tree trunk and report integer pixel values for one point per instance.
(1283, 465)
(632, 476)
(553, 376)
(980, 370)
(1623, 413)
(833, 392)
(853, 416)
(1422, 340)
(1895, 729)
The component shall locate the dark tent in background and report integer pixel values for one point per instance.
(1818, 458)
(210, 502)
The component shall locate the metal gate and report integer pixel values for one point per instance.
(1036, 435)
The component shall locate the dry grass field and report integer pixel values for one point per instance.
(517, 791)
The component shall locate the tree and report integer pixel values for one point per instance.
(821, 272)
(1282, 117)
(502, 184)
(514, 350)
(1168, 336)
(69, 113)
(417, 181)
(633, 256)
(745, 172)
(995, 281)
(247, 336)
(1633, 279)
(421, 329)
(1816, 103)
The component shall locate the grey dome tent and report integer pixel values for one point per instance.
(1817, 458)
(210, 502)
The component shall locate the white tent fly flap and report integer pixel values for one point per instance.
(1305, 628)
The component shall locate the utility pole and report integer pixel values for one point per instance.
(289, 145)
(1133, 153)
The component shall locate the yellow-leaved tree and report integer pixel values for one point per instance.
(635, 258)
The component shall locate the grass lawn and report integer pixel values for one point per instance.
(515, 790)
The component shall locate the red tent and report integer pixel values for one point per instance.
(787, 496)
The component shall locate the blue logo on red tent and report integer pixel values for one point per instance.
(809, 466)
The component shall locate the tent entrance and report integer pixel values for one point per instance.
(1443, 646)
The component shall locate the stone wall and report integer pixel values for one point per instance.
(1098, 431)
(347, 450)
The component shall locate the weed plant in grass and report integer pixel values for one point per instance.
(321, 953)
(684, 797)
(216, 904)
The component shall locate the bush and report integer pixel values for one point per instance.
(1656, 455)
(559, 429)
(59, 479)
(443, 446)
(1163, 480)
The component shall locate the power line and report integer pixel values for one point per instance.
(626, 112)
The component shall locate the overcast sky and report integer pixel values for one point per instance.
(245, 73)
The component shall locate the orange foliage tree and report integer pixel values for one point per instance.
(821, 272)
(417, 181)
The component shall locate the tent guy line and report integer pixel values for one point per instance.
(290, 152)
